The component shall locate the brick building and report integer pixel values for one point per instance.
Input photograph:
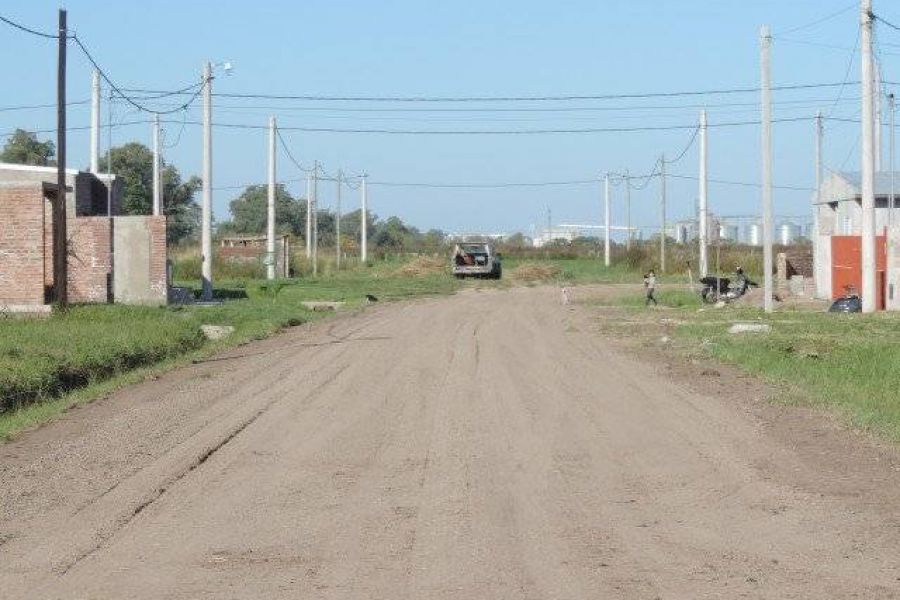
(110, 258)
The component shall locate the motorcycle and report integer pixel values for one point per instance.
(723, 289)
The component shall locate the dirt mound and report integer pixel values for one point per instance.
(423, 265)
(535, 271)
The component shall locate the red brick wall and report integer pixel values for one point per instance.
(89, 259)
(158, 256)
(22, 244)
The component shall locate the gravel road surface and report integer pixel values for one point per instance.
(489, 445)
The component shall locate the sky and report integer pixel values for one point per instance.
(458, 49)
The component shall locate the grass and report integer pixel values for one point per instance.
(48, 365)
(847, 363)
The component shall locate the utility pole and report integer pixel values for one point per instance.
(627, 210)
(876, 73)
(549, 226)
(891, 108)
(315, 219)
(309, 212)
(60, 233)
(337, 220)
(868, 160)
(364, 220)
(662, 213)
(157, 182)
(818, 205)
(95, 123)
(270, 213)
(606, 216)
(703, 225)
(206, 217)
(765, 42)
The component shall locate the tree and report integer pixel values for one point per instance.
(249, 212)
(394, 234)
(133, 164)
(23, 148)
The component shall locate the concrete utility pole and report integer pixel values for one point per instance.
(765, 42)
(270, 213)
(337, 220)
(893, 205)
(309, 212)
(157, 182)
(60, 231)
(606, 223)
(868, 160)
(364, 220)
(549, 225)
(628, 210)
(95, 123)
(315, 220)
(815, 233)
(206, 216)
(703, 225)
(876, 73)
(662, 213)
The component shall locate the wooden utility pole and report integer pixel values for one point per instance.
(60, 235)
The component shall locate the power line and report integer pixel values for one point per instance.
(36, 106)
(464, 132)
(485, 186)
(846, 76)
(289, 154)
(461, 99)
(19, 26)
(81, 127)
(194, 90)
(818, 21)
(886, 22)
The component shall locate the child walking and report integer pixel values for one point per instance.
(650, 286)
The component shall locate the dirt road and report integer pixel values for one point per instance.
(490, 445)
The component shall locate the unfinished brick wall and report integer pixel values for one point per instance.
(90, 247)
(158, 257)
(22, 244)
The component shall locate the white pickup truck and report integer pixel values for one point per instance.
(476, 259)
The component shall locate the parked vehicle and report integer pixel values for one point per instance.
(724, 289)
(476, 259)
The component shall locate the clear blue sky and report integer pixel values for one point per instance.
(406, 47)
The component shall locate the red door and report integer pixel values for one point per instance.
(846, 266)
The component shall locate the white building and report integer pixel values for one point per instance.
(838, 212)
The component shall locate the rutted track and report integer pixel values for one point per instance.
(488, 445)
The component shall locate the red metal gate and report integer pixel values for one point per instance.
(846, 266)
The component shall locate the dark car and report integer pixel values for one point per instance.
(846, 304)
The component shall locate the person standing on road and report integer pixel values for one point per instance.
(650, 286)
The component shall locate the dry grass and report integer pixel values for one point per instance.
(422, 266)
(535, 271)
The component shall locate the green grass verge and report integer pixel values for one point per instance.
(848, 363)
(48, 365)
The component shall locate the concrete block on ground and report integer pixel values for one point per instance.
(318, 305)
(738, 328)
(216, 332)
